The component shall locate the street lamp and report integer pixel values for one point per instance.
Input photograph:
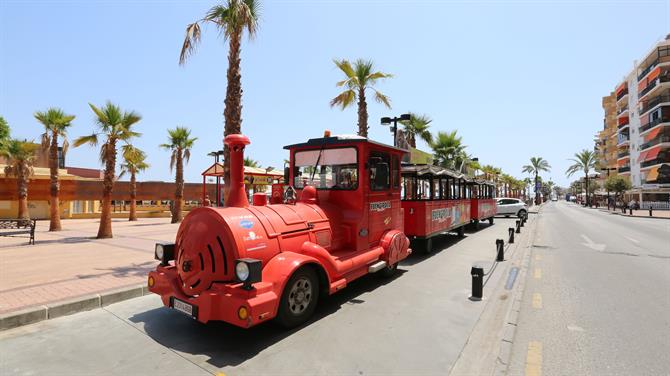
(608, 169)
(387, 121)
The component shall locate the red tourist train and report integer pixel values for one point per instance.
(345, 213)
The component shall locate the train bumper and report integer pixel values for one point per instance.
(225, 301)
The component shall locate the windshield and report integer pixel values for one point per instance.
(327, 168)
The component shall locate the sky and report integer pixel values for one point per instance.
(517, 79)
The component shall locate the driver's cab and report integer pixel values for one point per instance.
(357, 183)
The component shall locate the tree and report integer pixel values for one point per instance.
(231, 19)
(4, 131)
(180, 143)
(537, 165)
(417, 126)
(617, 184)
(585, 161)
(248, 162)
(20, 156)
(55, 122)
(358, 78)
(134, 161)
(447, 147)
(115, 126)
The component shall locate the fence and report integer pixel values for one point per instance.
(655, 205)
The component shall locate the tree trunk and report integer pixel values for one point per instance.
(133, 196)
(54, 207)
(537, 193)
(22, 187)
(362, 114)
(233, 104)
(105, 229)
(587, 191)
(179, 192)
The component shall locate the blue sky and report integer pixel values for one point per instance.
(515, 78)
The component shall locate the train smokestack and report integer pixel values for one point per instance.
(237, 196)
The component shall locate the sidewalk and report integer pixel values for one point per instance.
(640, 213)
(72, 263)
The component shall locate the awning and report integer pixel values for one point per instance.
(650, 136)
(652, 175)
(623, 162)
(651, 153)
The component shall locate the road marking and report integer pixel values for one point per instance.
(575, 328)
(633, 240)
(534, 359)
(594, 246)
(538, 273)
(537, 300)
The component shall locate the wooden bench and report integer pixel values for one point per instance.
(14, 227)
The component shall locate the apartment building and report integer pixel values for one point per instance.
(606, 140)
(642, 107)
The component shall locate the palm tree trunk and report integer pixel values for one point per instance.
(22, 187)
(179, 192)
(105, 229)
(362, 114)
(233, 104)
(54, 207)
(133, 196)
(587, 190)
(537, 193)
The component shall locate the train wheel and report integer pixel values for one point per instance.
(461, 232)
(428, 246)
(388, 271)
(475, 224)
(299, 298)
(491, 220)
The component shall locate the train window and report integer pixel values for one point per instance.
(327, 168)
(408, 189)
(436, 189)
(380, 174)
(395, 172)
(423, 188)
(443, 188)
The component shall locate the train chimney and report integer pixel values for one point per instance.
(237, 196)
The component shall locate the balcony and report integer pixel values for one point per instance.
(622, 94)
(622, 122)
(623, 154)
(653, 84)
(654, 162)
(658, 140)
(655, 101)
(623, 169)
(622, 110)
(662, 53)
(647, 126)
(622, 139)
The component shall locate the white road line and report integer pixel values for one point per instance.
(633, 240)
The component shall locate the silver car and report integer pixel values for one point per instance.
(511, 206)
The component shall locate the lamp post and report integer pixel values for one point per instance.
(216, 154)
(387, 121)
(608, 169)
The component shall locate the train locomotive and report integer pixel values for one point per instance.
(347, 211)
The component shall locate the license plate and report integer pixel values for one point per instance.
(184, 307)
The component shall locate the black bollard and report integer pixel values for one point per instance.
(523, 220)
(630, 211)
(500, 249)
(511, 235)
(518, 227)
(477, 273)
(651, 212)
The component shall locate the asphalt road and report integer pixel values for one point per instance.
(415, 323)
(597, 296)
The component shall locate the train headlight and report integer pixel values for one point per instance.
(248, 271)
(164, 252)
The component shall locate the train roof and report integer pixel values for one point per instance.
(422, 170)
(339, 140)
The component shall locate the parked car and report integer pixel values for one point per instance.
(511, 206)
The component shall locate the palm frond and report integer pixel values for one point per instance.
(46, 141)
(66, 146)
(187, 155)
(345, 99)
(191, 41)
(173, 159)
(345, 66)
(381, 98)
(91, 140)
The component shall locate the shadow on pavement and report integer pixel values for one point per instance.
(440, 243)
(228, 345)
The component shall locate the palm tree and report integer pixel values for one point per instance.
(134, 162)
(584, 161)
(447, 148)
(248, 162)
(114, 125)
(55, 123)
(537, 165)
(358, 78)
(4, 131)
(231, 18)
(20, 156)
(417, 126)
(180, 143)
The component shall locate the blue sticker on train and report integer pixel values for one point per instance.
(245, 223)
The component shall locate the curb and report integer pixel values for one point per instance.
(632, 216)
(67, 307)
(512, 317)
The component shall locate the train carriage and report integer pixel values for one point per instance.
(435, 201)
(482, 202)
